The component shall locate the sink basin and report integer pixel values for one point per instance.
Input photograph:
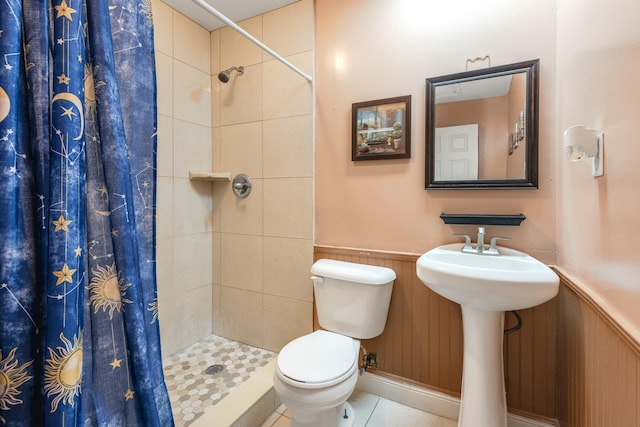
(512, 281)
(485, 286)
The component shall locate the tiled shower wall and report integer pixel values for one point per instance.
(184, 208)
(239, 268)
(263, 126)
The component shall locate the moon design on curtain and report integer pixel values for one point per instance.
(5, 104)
(79, 337)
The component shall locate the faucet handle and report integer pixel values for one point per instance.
(492, 246)
(467, 240)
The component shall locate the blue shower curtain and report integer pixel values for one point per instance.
(79, 338)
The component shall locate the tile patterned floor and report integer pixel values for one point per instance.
(373, 411)
(204, 373)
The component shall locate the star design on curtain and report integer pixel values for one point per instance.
(65, 253)
(64, 275)
(68, 112)
(64, 10)
(62, 224)
(63, 79)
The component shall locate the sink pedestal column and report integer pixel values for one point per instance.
(483, 402)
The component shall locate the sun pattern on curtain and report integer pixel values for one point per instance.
(79, 338)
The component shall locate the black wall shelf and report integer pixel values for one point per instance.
(480, 219)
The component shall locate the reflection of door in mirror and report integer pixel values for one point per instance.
(456, 153)
(494, 104)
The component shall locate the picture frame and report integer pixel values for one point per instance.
(381, 129)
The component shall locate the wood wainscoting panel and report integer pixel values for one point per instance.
(422, 340)
(530, 360)
(598, 365)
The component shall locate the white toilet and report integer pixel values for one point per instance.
(316, 373)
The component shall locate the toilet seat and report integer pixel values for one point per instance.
(319, 359)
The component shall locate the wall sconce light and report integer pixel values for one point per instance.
(583, 143)
(517, 135)
(520, 127)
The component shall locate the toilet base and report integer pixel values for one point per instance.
(341, 416)
(321, 404)
(346, 416)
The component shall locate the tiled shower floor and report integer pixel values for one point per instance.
(202, 374)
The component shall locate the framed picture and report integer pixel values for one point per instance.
(381, 129)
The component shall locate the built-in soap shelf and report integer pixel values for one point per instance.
(210, 176)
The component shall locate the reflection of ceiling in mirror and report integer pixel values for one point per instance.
(473, 89)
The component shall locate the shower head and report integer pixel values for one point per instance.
(223, 76)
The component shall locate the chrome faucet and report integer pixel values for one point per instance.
(480, 248)
(480, 244)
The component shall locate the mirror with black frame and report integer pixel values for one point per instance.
(482, 128)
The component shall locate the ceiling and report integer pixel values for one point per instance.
(474, 89)
(236, 10)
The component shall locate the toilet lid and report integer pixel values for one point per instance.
(318, 357)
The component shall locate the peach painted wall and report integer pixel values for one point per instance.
(373, 49)
(599, 86)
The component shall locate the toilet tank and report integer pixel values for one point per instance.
(352, 299)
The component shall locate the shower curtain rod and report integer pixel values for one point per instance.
(233, 25)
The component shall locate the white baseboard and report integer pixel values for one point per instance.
(427, 400)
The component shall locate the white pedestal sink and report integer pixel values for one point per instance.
(485, 286)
